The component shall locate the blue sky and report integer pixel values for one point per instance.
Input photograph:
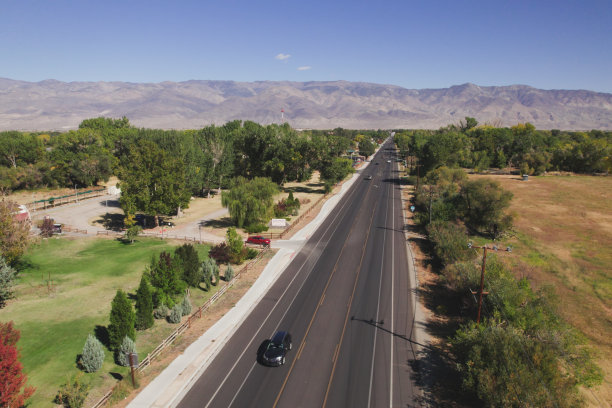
(558, 44)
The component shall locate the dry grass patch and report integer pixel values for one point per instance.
(564, 238)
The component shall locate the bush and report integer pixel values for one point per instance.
(123, 354)
(93, 355)
(251, 253)
(161, 312)
(185, 306)
(256, 228)
(450, 242)
(46, 228)
(73, 393)
(175, 314)
(229, 273)
(220, 253)
(507, 368)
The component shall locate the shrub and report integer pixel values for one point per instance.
(46, 228)
(251, 253)
(256, 228)
(220, 253)
(161, 312)
(229, 273)
(175, 314)
(93, 355)
(450, 242)
(185, 306)
(123, 354)
(73, 393)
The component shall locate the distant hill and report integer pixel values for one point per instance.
(56, 105)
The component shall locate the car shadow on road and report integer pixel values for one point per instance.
(261, 350)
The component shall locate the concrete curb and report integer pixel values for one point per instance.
(171, 385)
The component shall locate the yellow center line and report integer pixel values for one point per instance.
(348, 312)
(319, 305)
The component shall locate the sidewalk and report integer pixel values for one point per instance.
(168, 388)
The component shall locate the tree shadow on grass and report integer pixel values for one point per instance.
(309, 188)
(101, 333)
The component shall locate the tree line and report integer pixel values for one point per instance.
(522, 146)
(522, 353)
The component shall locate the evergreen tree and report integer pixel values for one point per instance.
(123, 354)
(207, 273)
(175, 314)
(7, 277)
(185, 306)
(122, 319)
(187, 257)
(144, 305)
(229, 273)
(93, 355)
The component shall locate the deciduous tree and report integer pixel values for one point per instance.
(14, 235)
(13, 389)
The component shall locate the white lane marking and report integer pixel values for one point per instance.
(273, 308)
(377, 313)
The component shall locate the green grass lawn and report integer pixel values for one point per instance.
(64, 293)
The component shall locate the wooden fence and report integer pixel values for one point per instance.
(69, 198)
(146, 362)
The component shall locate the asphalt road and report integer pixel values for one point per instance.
(346, 300)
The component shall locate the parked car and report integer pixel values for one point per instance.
(258, 240)
(276, 349)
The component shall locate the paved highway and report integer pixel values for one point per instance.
(347, 301)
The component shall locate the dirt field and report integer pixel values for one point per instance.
(564, 237)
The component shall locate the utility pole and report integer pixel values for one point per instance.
(482, 275)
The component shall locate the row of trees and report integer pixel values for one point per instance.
(521, 146)
(522, 353)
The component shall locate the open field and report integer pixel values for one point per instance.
(65, 293)
(563, 237)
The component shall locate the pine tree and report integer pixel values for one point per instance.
(144, 305)
(123, 354)
(93, 355)
(189, 261)
(12, 380)
(122, 319)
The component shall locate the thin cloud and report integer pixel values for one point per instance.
(304, 68)
(283, 57)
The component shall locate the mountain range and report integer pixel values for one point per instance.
(57, 105)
